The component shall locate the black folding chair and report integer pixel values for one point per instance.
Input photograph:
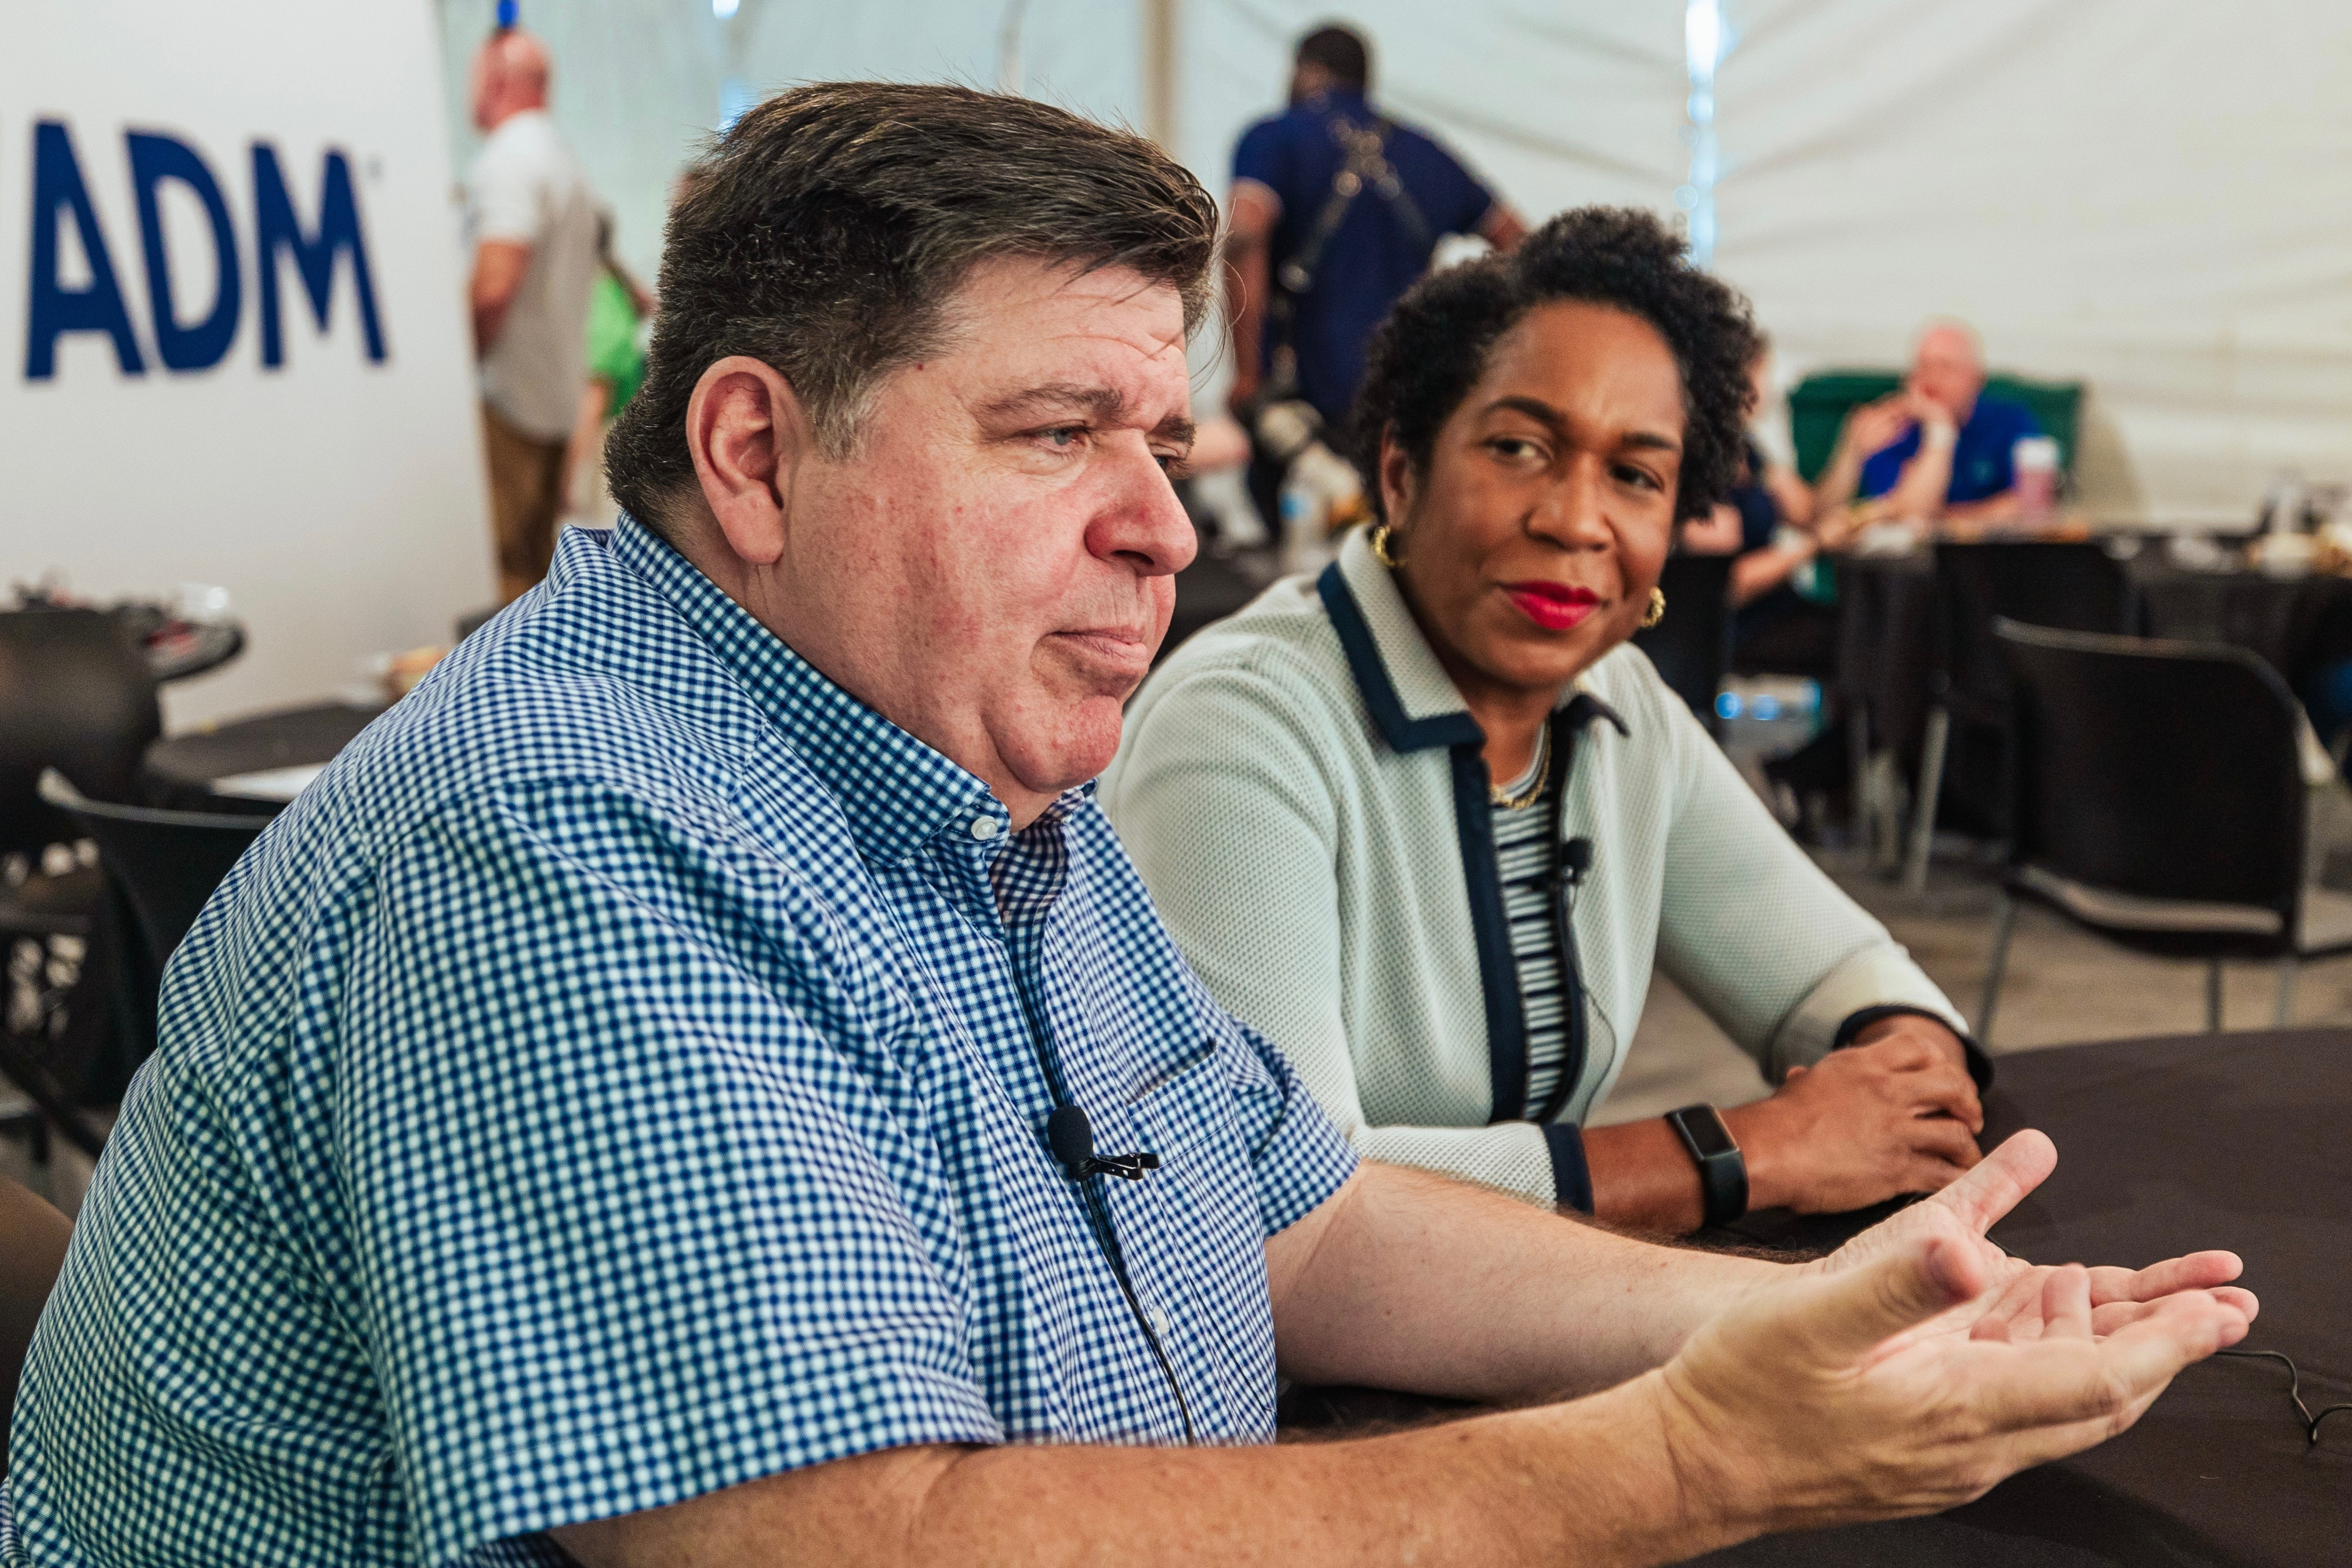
(76, 694)
(2070, 586)
(1692, 646)
(2157, 799)
(167, 863)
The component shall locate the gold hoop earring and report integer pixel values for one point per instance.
(1379, 540)
(1657, 610)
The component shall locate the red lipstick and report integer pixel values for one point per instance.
(1555, 606)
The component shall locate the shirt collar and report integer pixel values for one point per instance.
(895, 792)
(1412, 700)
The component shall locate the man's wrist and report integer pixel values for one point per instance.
(1711, 1485)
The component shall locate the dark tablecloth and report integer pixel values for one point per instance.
(180, 770)
(1888, 645)
(2169, 1146)
(2297, 624)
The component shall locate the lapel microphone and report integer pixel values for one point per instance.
(1575, 856)
(1073, 1141)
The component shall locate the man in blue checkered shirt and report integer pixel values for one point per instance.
(626, 1108)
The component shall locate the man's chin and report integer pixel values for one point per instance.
(1072, 750)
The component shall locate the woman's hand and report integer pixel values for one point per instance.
(1717, 534)
(1895, 1115)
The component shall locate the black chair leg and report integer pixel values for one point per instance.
(1929, 797)
(2287, 968)
(2213, 995)
(56, 1107)
(2004, 923)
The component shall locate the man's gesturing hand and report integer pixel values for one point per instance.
(2012, 1305)
(1828, 1397)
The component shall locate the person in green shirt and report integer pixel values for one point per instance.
(618, 309)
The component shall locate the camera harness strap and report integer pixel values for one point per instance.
(1367, 164)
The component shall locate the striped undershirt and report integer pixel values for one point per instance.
(1523, 856)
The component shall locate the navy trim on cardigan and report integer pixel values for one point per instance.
(1474, 828)
(1860, 1019)
(1490, 931)
(1379, 691)
(1373, 682)
(1571, 1178)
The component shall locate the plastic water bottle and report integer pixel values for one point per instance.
(1306, 523)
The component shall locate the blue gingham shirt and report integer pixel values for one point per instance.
(622, 1076)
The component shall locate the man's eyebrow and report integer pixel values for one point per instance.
(1543, 412)
(1095, 401)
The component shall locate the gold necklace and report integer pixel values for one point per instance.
(1542, 770)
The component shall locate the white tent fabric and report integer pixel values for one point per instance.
(2152, 197)
(2146, 195)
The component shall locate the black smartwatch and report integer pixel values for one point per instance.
(1722, 1169)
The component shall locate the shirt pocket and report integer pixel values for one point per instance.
(1192, 1238)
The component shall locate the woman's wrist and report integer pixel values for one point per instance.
(1755, 1128)
(1642, 1178)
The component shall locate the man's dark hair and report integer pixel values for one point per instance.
(1342, 51)
(828, 231)
(1434, 346)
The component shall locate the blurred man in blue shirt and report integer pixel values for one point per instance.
(1938, 448)
(1336, 210)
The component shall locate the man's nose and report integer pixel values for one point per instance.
(1145, 525)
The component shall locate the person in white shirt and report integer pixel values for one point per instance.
(533, 220)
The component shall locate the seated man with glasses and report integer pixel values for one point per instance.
(698, 1082)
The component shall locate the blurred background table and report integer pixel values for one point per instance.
(2299, 625)
(1214, 586)
(204, 769)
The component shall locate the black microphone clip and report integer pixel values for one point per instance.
(1072, 1139)
(1576, 859)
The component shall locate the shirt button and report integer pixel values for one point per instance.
(985, 826)
(1158, 1321)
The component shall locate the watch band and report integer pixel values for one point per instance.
(1722, 1168)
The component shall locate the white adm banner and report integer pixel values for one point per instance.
(231, 340)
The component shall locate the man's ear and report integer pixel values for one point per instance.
(748, 432)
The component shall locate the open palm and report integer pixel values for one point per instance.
(2015, 1305)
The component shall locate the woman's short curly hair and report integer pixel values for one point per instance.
(1435, 345)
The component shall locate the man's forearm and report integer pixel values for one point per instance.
(1590, 1482)
(498, 269)
(1839, 480)
(1925, 480)
(1496, 1300)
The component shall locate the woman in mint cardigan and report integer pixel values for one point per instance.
(1427, 823)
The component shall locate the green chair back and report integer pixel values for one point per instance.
(1818, 405)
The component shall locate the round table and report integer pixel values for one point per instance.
(2166, 1146)
(184, 771)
